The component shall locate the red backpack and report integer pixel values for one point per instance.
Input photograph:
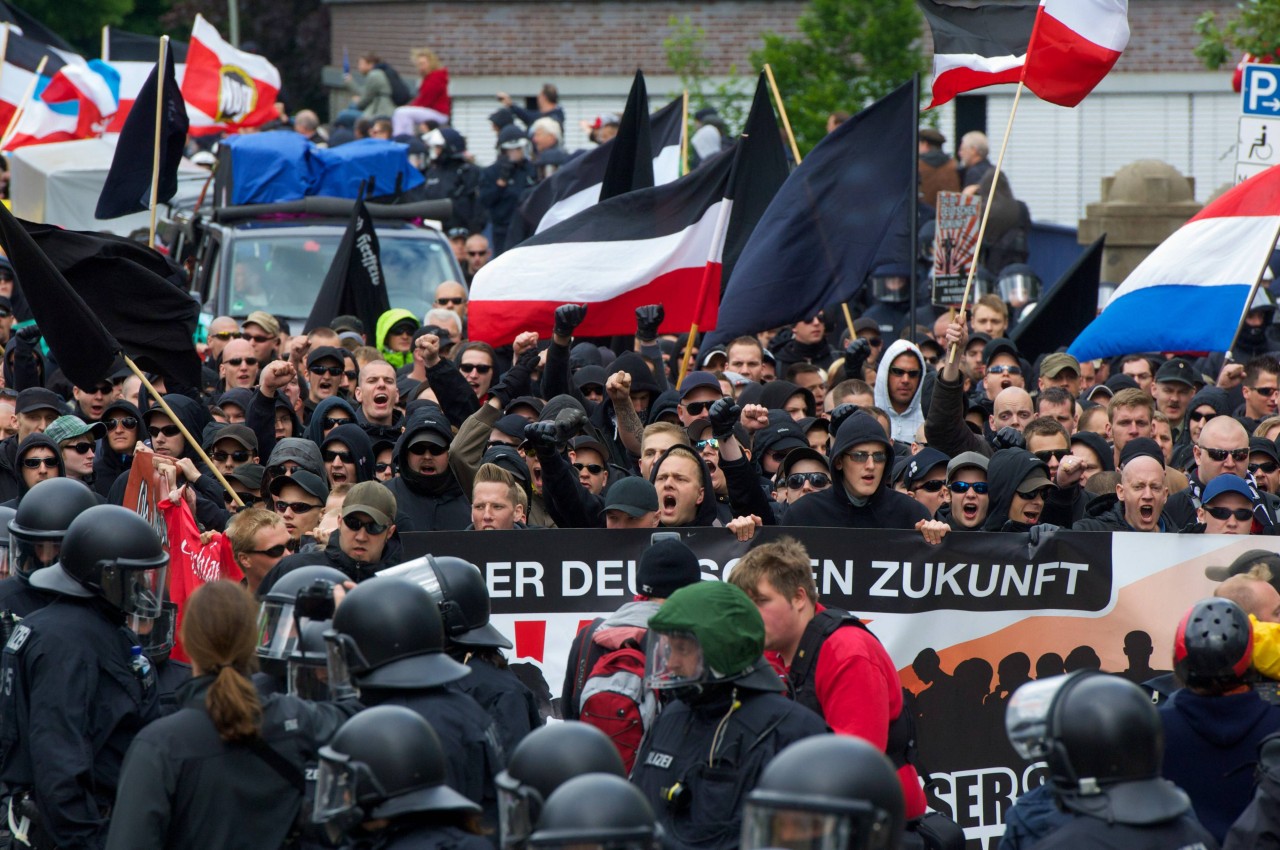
(615, 700)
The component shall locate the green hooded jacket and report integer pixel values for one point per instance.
(385, 322)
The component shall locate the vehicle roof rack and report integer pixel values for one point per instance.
(438, 210)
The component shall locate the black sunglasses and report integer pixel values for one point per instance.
(236, 361)
(697, 408)
(1220, 455)
(239, 456)
(432, 449)
(36, 462)
(1242, 514)
(355, 525)
(258, 339)
(248, 498)
(283, 469)
(330, 456)
(333, 422)
(128, 422)
(276, 551)
(383, 466)
(1268, 467)
(593, 468)
(79, 448)
(819, 480)
(296, 507)
(979, 487)
(1196, 416)
(930, 486)
(1049, 454)
(451, 302)
(167, 430)
(353, 374)
(1265, 392)
(1038, 493)
(478, 368)
(331, 371)
(863, 457)
(904, 373)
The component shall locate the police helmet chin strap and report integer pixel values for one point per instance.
(734, 705)
(20, 828)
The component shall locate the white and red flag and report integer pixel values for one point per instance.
(226, 88)
(1074, 45)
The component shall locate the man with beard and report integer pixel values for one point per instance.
(429, 496)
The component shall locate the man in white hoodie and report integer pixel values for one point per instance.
(898, 382)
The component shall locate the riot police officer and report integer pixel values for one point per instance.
(36, 530)
(299, 597)
(728, 717)
(382, 784)
(460, 590)
(76, 657)
(596, 811)
(822, 788)
(547, 758)
(1101, 738)
(387, 641)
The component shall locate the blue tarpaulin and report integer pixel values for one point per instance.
(283, 166)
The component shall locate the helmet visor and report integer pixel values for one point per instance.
(515, 813)
(309, 681)
(673, 660)
(134, 590)
(155, 634)
(341, 655)
(420, 571)
(1019, 289)
(277, 629)
(891, 288)
(1026, 719)
(765, 827)
(26, 556)
(4, 559)
(335, 790)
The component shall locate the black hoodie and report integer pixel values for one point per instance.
(885, 508)
(32, 441)
(427, 502)
(107, 465)
(1211, 396)
(1006, 471)
(708, 512)
(360, 446)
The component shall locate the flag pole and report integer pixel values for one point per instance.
(1253, 291)
(106, 43)
(22, 104)
(986, 214)
(155, 160)
(913, 208)
(704, 290)
(192, 442)
(684, 133)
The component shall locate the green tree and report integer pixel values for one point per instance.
(79, 21)
(848, 53)
(1255, 31)
(685, 57)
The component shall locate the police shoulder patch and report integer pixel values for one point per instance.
(18, 638)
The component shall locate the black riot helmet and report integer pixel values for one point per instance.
(839, 792)
(544, 760)
(308, 663)
(1214, 646)
(596, 811)
(280, 615)
(41, 521)
(384, 762)
(111, 552)
(460, 590)
(388, 634)
(1104, 745)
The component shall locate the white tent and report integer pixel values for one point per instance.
(59, 183)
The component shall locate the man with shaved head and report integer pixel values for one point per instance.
(1222, 449)
(1254, 595)
(1141, 497)
(1013, 408)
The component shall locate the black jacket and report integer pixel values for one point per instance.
(1006, 471)
(708, 512)
(1211, 396)
(501, 201)
(1108, 515)
(108, 465)
(183, 786)
(500, 692)
(426, 502)
(332, 556)
(452, 177)
(886, 508)
(1182, 505)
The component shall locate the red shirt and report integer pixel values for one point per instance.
(434, 92)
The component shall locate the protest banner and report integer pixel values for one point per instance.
(966, 621)
(144, 491)
(955, 241)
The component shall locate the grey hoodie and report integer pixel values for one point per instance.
(906, 423)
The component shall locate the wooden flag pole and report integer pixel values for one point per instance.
(192, 442)
(704, 290)
(684, 133)
(22, 104)
(155, 159)
(986, 214)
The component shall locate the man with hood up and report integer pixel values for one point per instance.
(1204, 405)
(115, 454)
(451, 176)
(861, 495)
(395, 336)
(897, 391)
(686, 494)
(1019, 483)
(37, 445)
(429, 496)
(348, 456)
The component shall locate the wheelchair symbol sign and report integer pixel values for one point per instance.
(1258, 141)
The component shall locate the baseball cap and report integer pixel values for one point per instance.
(967, 460)
(1116, 383)
(1058, 362)
(1176, 370)
(457, 233)
(242, 434)
(68, 427)
(512, 425)
(693, 380)
(1139, 447)
(1034, 480)
(331, 352)
(1243, 563)
(586, 441)
(1000, 345)
(248, 474)
(795, 456)
(865, 324)
(38, 398)
(665, 567)
(264, 320)
(531, 401)
(1225, 483)
(432, 430)
(1265, 446)
(633, 496)
(347, 323)
(308, 481)
(922, 463)
(372, 498)
(781, 435)
(712, 354)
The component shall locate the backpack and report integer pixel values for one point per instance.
(400, 94)
(614, 699)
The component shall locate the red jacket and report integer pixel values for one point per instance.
(434, 92)
(860, 692)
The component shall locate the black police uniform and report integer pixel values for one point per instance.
(1182, 833)
(508, 701)
(19, 598)
(471, 743)
(71, 703)
(402, 835)
(700, 761)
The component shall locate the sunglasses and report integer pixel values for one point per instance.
(701, 445)
(370, 527)
(167, 430)
(1197, 416)
(863, 457)
(331, 371)
(697, 408)
(383, 466)
(593, 468)
(236, 361)
(296, 507)
(403, 330)
(1220, 455)
(239, 456)
(1051, 454)
(476, 253)
(100, 389)
(257, 339)
(818, 480)
(874, 341)
(904, 373)
(453, 302)
(1269, 467)
(979, 487)
(224, 335)
(276, 551)
(128, 423)
(478, 368)
(79, 448)
(330, 456)
(778, 455)
(1038, 493)
(1241, 514)
(36, 462)
(930, 486)
(285, 469)
(248, 498)
(420, 449)
(4, 314)
(333, 422)
(1004, 370)
(1265, 392)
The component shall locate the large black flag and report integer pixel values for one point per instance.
(630, 165)
(1066, 309)
(128, 185)
(354, 285)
